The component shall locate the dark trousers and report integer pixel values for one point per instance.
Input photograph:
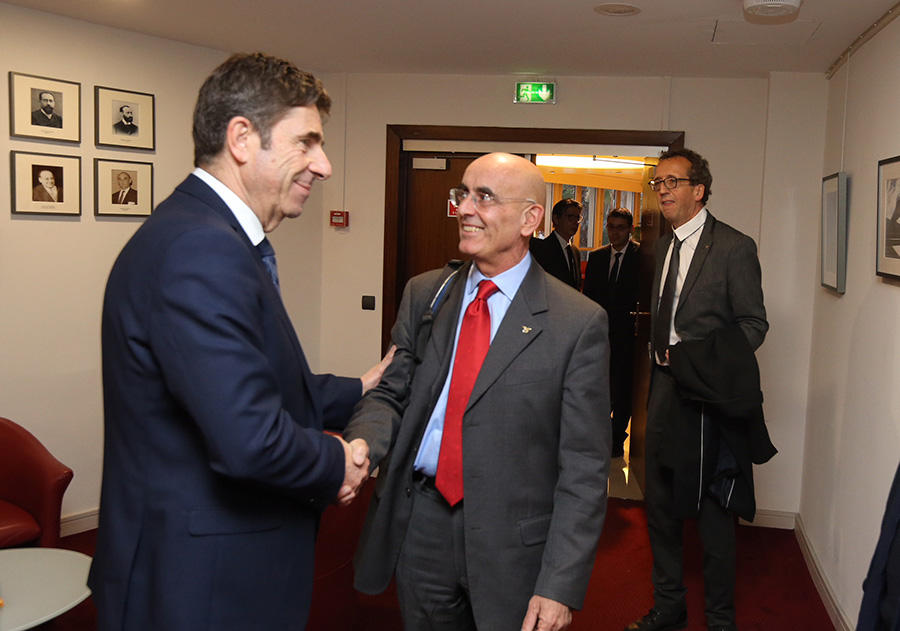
(432, 580)
(715, 524)
(621, 376)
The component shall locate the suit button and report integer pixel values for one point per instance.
(408, 491)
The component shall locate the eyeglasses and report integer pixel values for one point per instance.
(670, 182)
(575, 218)
(481, 200)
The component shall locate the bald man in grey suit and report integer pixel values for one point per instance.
(517, 550)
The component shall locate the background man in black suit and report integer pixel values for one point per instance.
(556, 254)
(125, 126)
(611, 280)
(709, 287)
(44, 116)
(514, 549)
(125, 194)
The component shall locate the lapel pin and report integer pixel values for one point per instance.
(526, 329)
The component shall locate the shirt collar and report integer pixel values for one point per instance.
(693, 225)
(250, 223)
(507, 282)
(562, 241)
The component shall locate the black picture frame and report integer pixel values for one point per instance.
(833, 267)
(887, 257)
(111, 198)
(112, 107)
(28, 177)
(26, 120)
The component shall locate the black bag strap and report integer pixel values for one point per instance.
(441, 289)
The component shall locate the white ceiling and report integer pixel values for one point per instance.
(538, 38)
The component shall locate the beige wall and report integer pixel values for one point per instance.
(853, 428)
(766, 140)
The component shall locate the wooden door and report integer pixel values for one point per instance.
(652, 227)
(430, 235)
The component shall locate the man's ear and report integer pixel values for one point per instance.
(699, 192)
(241, 139)
(532, 219)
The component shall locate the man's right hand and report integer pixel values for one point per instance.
(356, 470)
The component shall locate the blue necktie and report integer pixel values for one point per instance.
(267, 252)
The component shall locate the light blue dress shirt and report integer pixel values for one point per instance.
(508, 283)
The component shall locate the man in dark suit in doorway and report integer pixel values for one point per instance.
(556, 254)
(216, 467)
(611, 280)
(491, 502)
(707, 317)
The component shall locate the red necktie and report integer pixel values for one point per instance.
(473, 344)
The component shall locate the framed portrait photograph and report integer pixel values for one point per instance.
(122, 188)
(124, 119)
(887, 258)
(834, 232)
(44, 184)
(40, 107)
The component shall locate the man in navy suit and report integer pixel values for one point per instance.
(216, 465)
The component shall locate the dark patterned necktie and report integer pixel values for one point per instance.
(664, 313)
(267, 252)
(614, 273)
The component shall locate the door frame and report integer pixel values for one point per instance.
(394, 205)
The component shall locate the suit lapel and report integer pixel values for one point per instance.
(703, 245)
(519, 328)
(443, 332)
(662, 246)
(196, 187)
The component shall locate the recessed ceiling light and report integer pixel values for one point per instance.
(771, 8)
(617, 9)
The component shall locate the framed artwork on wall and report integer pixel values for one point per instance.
(124, 118)
(834, 232)
(40, 107)
(45, 184)
(887, 258)
(123, 188)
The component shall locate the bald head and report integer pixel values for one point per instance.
(496, 230)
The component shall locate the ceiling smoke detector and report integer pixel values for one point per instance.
(771, 8)
(617, 9)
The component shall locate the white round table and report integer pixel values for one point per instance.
(38, 584)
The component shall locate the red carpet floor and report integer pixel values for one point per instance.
(774, 591)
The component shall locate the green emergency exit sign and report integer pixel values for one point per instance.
(533, 92)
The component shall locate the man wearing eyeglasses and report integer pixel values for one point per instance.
(557, 254)
(704, 413)
(611, 280)
(491, 502)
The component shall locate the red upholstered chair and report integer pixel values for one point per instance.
(32, 485)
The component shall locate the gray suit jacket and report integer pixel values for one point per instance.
(723, 285)
(536, 445)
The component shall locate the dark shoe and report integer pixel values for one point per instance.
(658, 621)
(727, 627)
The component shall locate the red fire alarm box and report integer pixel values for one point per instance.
(340, 218)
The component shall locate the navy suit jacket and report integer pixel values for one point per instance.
(215, 465)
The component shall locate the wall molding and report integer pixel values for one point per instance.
(79, 522)
(837, 614)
